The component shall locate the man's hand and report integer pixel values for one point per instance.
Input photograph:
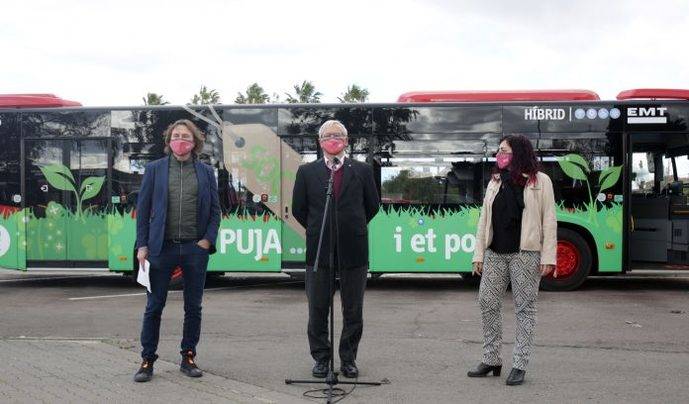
(142, 254)
(203, 243)
(478, 268)
(547, 269)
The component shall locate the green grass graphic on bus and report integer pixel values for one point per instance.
(121, 239)
(65, 235)
(13, 240)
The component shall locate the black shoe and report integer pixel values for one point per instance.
(516, 377)
(349, 369)
(188, 366)
(320, 369)
(145, 372)
(482, 370)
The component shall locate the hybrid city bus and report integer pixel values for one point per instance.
(69, 178)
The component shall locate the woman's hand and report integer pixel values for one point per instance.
(477, 268)
(547, 269)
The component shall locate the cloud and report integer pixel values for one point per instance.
(113, 52)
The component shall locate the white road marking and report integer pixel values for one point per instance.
(108, 296)
(180, 291)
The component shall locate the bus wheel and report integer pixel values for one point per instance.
(573, 262)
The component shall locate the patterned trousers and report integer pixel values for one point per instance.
(524, 272)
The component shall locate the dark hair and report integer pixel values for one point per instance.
(524, 160)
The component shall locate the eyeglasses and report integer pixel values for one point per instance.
(329, 136)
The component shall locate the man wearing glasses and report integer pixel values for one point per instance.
(355, 201)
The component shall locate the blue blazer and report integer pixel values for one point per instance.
(151, 205)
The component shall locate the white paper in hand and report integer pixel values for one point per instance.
(143, 278)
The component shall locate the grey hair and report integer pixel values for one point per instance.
(329, 123)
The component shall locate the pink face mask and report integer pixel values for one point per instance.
(181, 147)
(503, 160)
(333, 146)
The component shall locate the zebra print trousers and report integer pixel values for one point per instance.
(523, 270)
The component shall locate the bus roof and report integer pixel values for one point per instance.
(487, 96)
(34, 101)
(654, 94)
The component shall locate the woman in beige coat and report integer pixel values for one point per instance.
(516, 242)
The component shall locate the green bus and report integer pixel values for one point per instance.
(69, 178)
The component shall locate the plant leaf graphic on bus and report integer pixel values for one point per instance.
(604, 223)
(60, 177)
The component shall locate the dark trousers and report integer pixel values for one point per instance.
(194, 262)
(352, 286)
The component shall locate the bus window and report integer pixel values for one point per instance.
(10, 194)
(134, 144)
(435, 169)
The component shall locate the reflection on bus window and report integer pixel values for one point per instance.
(642, 172)
(435, 169)
(682, 163)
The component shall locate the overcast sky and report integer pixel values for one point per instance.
(114, 52)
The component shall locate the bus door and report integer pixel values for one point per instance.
(659, 190)
(66, 193)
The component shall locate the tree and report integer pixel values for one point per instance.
(353, 94)
(254, 95)
(154, 99)
(304, 93)
(206, 97)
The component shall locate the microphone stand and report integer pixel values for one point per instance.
(331, 380)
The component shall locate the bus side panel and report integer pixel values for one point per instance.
(12, 219)
(121, 239)
(250, 229)
(410, 240)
